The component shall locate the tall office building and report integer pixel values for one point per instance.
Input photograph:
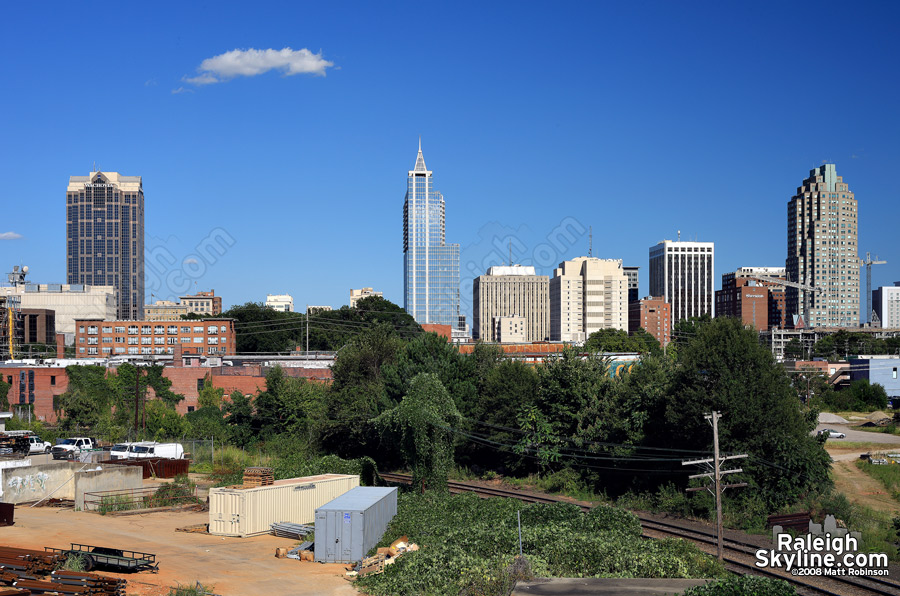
(886, 305)
(430, 266)
(510, 292)
(822, 251)
(631, 272)
(587, 294)
(105, 237)
(682, 274)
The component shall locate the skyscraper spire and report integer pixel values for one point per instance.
(420, 159)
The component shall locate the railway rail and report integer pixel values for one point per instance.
(739, 555)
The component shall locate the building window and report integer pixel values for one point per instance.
(145, 329)
(132, 330)
(158, 330)
(190, 409)
(81, 329)
(146, 351)
(159, 340)
(185, 329)
(198, 340)
(173, 329)
(92, 351)
(212, 340)
(198, 329)
(895, 372)
(107, 330)
(223, 329)
(132, 341)
(211, 350)
(92, 330)
(120, 330)
(146, 341)
(53, 378)
(200, 383)
(132, 350)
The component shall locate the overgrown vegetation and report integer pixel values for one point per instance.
(746, 585)
(469, 545)
(888, 475)
(197, 589)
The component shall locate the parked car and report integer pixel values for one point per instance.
(36, 445)
(166, 450)
(832, 434)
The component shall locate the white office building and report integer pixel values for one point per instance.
(886, 304)
(280, 302)
(682, 273)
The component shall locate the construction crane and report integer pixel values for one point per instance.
(777, 281)
(868, 263)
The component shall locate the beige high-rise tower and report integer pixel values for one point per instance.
(587, 294)
(823, 251)
(510, 291)
(105, 237)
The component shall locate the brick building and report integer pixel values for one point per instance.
(756, 302)
(40, 326)
(653, 315)
(103, 339)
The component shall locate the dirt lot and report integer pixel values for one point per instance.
(861, 488)
(234, 566)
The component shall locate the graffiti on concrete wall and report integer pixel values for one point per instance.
(30, 483)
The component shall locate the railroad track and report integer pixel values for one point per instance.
(739, 555)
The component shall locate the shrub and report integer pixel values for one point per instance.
(747, 585)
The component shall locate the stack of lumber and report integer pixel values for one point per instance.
(258, 477)
(96, 584)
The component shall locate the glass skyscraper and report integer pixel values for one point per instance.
(105, 237)
(430, 266)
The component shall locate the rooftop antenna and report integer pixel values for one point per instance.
(510, 252)
(679, 235)
(590, 241)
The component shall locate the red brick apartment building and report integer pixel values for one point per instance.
(95, 338)
(756, 302)
(654, 315)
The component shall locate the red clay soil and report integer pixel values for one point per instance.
(233, 566)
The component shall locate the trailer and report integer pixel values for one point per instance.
(113, 559)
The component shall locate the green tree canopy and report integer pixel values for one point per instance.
(424, 420)
(724, 368)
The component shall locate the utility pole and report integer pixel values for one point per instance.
(137, 397)
(715, 474)
(307, 330)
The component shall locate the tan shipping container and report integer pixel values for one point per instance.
(250, 511)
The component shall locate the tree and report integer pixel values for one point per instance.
(209, 396)
(568, 387)
(425, 420)
(288, 405)
(239, 418)
(4, 395)
(207, 422)
(617, 340)
(431, 353)
(725, 368)
(88, 398)
(163, 422)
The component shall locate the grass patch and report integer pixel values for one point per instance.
(888, 475)
(469, 545)
(842, 444)
(197, 589)
(114, 503)
(890, 429)
(879, 534)
(73, 562)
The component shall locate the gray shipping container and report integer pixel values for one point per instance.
(352, 524)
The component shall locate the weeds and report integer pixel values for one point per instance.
(197, 589)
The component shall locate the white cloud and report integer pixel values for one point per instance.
(191, 261)
(182, 90)
(9, 236)
(252, 62)
(150, 83)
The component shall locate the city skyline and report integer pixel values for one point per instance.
(254, 155)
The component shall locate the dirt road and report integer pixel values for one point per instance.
(234, 566)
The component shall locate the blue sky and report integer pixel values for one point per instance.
(636, 118)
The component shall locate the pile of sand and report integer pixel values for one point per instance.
(829, 418)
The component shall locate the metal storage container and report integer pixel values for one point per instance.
(251, 511)
(349, 526)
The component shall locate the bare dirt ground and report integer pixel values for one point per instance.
(861, 488)
(234, 566)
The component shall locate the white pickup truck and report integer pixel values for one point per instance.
(72, 448)
(36, 445)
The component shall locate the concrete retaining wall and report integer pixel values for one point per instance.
(109, 478)
(33, 483)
